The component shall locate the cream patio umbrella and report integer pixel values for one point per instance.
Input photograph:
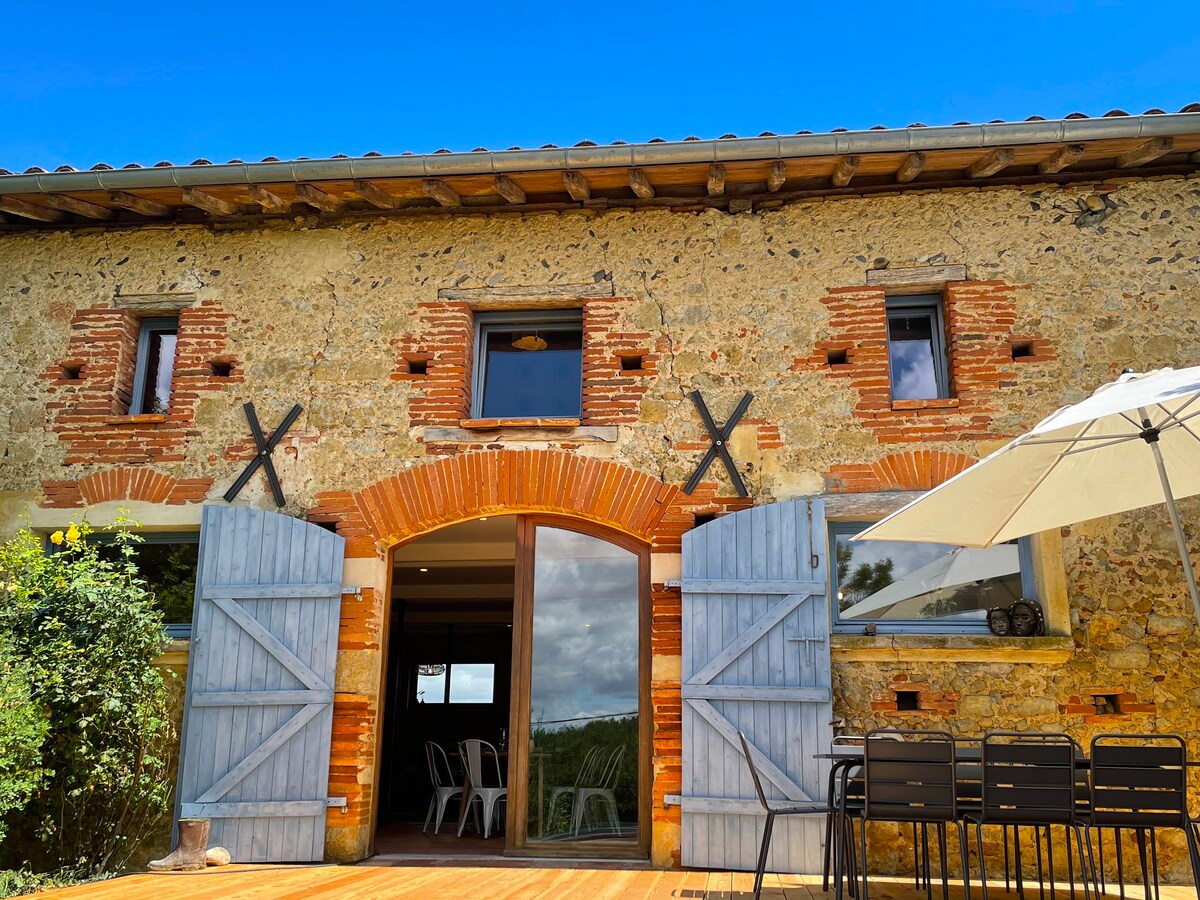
(1133, 443)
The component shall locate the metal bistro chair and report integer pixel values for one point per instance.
(912, 781)
(772, 810)
(604, 790)
(444, 787)
(571, 791)
(490, 796)
(1030, 779)
(1139, 782)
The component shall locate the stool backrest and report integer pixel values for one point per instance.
(762, 797)
(473, 752)
(1028, 778)
(440, 772)
(1139, 780)
(909, 776)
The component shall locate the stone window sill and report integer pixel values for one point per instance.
(1047, 649)
(492, 424)
(939, 403)
(142, 419)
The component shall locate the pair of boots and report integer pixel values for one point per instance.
(192, 852)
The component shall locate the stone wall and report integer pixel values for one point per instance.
(332, 316)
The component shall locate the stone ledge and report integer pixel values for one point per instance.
(141, 419)
(496, 424)
(435, 434)
(1049, 649)
(938, 403)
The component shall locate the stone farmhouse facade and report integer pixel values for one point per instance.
(1045, 256)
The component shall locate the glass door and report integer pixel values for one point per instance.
(581, 726)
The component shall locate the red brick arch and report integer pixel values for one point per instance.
(459, 488)
(913, 470)
(125, 483)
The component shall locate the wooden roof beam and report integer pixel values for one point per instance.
(991, 164)
(70, 204)
(845, 170)
(139, 205)
(375, 195)
(716, 180)
(214, 206)
(640, 185)
(1060, 159)
(913, 165)
(318, 199)
(777, 176)
(1144, 153)
(441, 192)
(510, 190)
(29, 210)
(577, 186)
(269, 201)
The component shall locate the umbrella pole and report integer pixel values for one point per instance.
(1173, 512)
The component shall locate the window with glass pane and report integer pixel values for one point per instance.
(167, 563)
(472, 682)
(155, 363)
(431, 682)
(916, 351)
(926, 585)
(529, 365)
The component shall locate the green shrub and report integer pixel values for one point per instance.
(88, 632)
(23, 727)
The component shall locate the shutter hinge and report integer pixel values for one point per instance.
(673, 583)
(352, 589)
(336, 803)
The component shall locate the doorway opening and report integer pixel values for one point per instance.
(531, 634)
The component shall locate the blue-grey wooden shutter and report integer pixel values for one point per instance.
(258, 711)
(755, 659)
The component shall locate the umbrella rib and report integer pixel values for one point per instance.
(1112, 442)
(1173, 417)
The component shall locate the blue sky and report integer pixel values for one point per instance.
(133, 82)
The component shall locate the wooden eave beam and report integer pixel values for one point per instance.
(716, 180)
(318, 199)
(990, 164)
(913, 165)
(214, 206)
(640, 185)
(441, 192)
(1144, 153)
(30, 211)
(1061, 158)
(70, 204)
(777, 176)
(139, 205)
(269, 201)
(577, 186)
(375, 195)
(845, 170)
(510, 190)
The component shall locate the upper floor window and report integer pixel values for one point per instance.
(917, 348)
(918, 586)
(528, 364)
(155, 363)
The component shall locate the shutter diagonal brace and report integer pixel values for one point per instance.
(747, 638)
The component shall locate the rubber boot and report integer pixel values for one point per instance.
(190, 854)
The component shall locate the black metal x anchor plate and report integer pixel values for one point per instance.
(720, 447)
(263, 458)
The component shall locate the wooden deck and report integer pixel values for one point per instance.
(387, 882)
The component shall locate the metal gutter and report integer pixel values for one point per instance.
(441, 165)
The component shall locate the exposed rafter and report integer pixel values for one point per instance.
(268, 201)
(577, 186)
(79, 207)
(318, 199)
(777, 176)
(641, 186)
(509, 189)
(991, 164)
(212, 205)
(1144, 153)
(139, 204)
(912, 166)
(375, 195)
(29, 210)
(1060, 159)
(845, 170)
(716, 179)
(441, 192)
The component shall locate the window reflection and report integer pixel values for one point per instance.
(584, 689)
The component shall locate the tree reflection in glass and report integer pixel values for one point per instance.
(583, 766)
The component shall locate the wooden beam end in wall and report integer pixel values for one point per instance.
(1061, 159)
(269, 201)
(991, 163)
(139, 205)
(441, 192)
(777, 176)
(913, 165)
(716, 180)
(214, 206)
(30, 211)
(509, 190)
(640, 184)
(577, 186)
(318, 199)
(79, 207)
(1144, 153)
(845, 170)
(375, 195)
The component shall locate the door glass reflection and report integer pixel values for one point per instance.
(583, 749)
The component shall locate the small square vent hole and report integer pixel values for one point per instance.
(703, 518)
(417, 366)
(836, 357)
(71, 371)
(220, 368)
(908, 701)
(632, 362)
(1022, 349)
(1107, 704)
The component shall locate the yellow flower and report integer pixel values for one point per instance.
(56, 538)
(72, 534)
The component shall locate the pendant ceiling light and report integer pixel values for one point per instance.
(530, 342)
